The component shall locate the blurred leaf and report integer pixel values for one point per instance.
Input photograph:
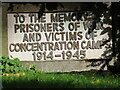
(52, 5)
(41, 10)
(10, 8)
(106, 30)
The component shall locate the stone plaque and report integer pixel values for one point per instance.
(56, 36)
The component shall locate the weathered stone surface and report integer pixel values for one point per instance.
(66, 65)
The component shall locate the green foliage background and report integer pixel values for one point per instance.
(14, 65)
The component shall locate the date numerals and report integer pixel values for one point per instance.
(40, 55)
(63, 55)
(70, 55)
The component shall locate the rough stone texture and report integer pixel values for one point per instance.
(65, 65)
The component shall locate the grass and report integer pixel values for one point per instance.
(63, 80)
